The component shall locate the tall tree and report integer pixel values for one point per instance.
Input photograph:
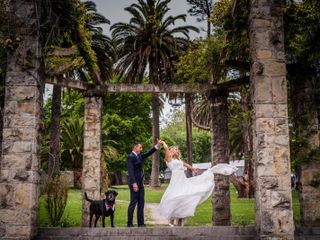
(202, 9)
(75, 46)
(302, 33)
(150, 39)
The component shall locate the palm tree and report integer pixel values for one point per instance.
(150, 40)
(72, 147)
(71, 26)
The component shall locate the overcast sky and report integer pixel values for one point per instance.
(114, 11)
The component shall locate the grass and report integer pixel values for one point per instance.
(242, 210)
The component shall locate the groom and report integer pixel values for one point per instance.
(136, 175)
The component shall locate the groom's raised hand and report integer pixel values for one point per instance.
(158, 142)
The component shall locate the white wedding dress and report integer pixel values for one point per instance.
(184, 194)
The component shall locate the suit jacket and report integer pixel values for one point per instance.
(134, 165)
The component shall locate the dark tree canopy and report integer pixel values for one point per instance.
(200, 8)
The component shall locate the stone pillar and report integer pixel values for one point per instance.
(92, 150)
(19, 168)
(310, 194)
(274, 218)
(221, 214)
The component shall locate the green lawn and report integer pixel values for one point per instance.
(242, 210)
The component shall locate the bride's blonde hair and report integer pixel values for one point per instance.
(178, 150)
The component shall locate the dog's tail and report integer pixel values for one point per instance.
(85, 195)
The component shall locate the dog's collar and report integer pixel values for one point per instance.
(110, 206)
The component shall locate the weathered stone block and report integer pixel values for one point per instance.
(279, 89)
(281, 140)
(15, 161)
(20, 121)
(261, 23)
(310, 172)
(264, 140)
(283, 223)
(26, 195)
(19, 134)
(275, 69)
(281, 199)
(6, 195)
(261, 38)
(27, 176)
(280, 110)
(262, 91)
(264, 110)
(16, 147)
(16, 93)
(257, 68)
(281, 160)
(264, 54)
(19, 231)
(269, 182)
(14, 217)
(265, 125)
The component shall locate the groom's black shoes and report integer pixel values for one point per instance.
(143, 225)
(130, 225)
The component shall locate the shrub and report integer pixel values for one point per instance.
(57, 195)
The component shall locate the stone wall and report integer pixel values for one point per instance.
(274, 218)
(22, 111)
(91, 173)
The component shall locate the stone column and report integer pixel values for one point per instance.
(22, 115)
(221, 214)
(309, 193)
(274, 218)
(92, 150)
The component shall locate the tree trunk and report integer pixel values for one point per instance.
(241, 185)
(208, 12)
(153, 78)
(155, 171)
(247, 145)
(306, 125)
(188, 110)
(54, 166)
(221, 214)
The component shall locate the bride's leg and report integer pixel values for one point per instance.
(171, 222)
(183, 221)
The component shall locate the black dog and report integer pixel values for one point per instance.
(104, 208)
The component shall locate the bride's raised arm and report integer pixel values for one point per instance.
(167, 152)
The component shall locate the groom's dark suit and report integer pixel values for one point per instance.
(136, 175)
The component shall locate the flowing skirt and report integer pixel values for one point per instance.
(184, 194)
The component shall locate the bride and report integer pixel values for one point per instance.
(184, 194)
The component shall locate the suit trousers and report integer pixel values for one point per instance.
(136, 198)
